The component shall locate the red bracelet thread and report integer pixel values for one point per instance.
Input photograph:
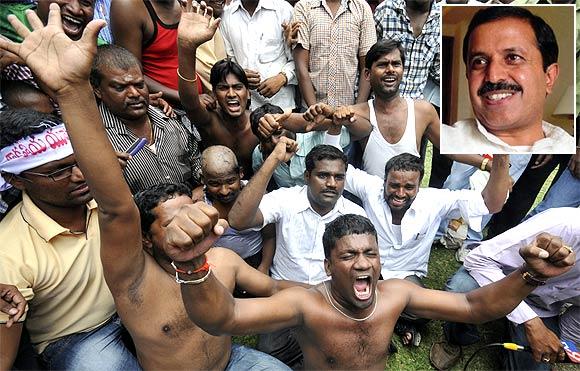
(203, 268)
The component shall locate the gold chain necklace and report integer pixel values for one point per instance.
(346, 315)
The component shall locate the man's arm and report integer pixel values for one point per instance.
(127, 27)
(499, 183)
(194, 30)
(301, 61)
(245, 212)
(364, 86)
(544, 258)
(209, 304)
(268, 248)
(254, 281)
(10, 339)
(63, 66)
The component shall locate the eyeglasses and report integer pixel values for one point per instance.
(56, 175)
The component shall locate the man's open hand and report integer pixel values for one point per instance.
(548, 256)
(56, 60)
(196, 25)
(193, 231)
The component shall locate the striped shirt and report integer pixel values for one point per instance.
(335, 43)
(421, 53)
(175, 158)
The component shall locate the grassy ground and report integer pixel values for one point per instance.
(442, 264)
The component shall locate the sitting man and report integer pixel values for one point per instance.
(171, 153)
(229, 123)
(511, 57)
(346, 322)
(50, 251)
(538, 321)
(143, 289)
(222, 183)
(407, 220)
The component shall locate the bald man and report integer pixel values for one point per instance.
(222, 183)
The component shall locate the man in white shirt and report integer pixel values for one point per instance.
(539, 320)
(511, 60)
(253, 37)
(300, 215)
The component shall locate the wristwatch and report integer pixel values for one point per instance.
(530, 278)
(285, 76)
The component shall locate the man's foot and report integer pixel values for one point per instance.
(443, 355)
(408, 333)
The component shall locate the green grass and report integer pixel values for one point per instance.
(442, 264)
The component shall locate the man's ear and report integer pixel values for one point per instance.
(551, 74)
(147, 243)
(327, 267)
(367, 74)
(241, 173)
(306, 176)
(14, 180)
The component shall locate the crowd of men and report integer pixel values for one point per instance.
(173, 173)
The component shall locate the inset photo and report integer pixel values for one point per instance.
(508, 79)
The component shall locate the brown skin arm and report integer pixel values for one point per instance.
(128, 25)
(194, 29)
(10, 339)
(302, 60)
(544, 258)
(268, 248)
(63, 66)
(210, 305)
(246, 213)
(254, 281)
(364, 87)
(499, 183)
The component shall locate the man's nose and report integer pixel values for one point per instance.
(73, 6)
(495, 71)
(331, 182)
(77, 175)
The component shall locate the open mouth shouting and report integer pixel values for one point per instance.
(233, 105)
(362, 287)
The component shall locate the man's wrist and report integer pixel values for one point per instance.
(285, 76)
(190, 267)
(532, 278)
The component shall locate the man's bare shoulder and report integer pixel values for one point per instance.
(127, 7)
(395, 289)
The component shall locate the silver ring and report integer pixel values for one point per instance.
(568, 248)
(546, 359)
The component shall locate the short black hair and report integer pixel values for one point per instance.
(405, 162)
(260, 112)
(345, 225)
(149, 198)
(221, 69)
(16, 124)
(545, 38)
(111, 56)
(323, 152)
(382, 47)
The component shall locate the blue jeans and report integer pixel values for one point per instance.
(100, 349)
(244, 358)
(524, 360)
(455, 332)
(565, 192)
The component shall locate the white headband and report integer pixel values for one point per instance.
(35, 150)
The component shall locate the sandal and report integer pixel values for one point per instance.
(402, 329)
